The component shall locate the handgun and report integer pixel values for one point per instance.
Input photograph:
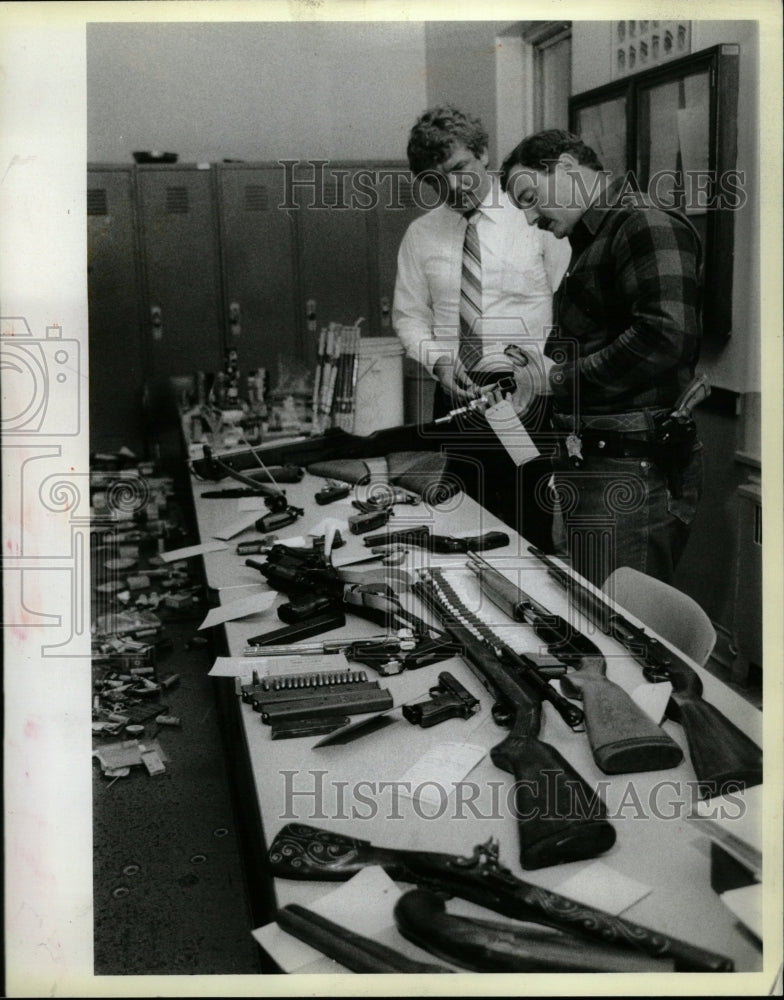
(448, 700)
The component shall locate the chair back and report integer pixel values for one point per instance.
(674, 615)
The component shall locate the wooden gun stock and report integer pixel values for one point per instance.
(559, 817)
(623, 738)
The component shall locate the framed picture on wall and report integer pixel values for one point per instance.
(672, 131)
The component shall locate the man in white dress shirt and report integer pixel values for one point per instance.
(521, 267)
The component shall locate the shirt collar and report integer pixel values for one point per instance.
(490, 205)
(604, 202)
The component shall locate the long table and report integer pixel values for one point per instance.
(351, 789)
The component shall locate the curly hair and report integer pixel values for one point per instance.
(437, 131)
(541, 150)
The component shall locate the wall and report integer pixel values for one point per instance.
(253, 91)
(708, 570)
(461, 69)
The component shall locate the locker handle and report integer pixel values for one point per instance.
(234, 318)
(386, 308)
(156, 322)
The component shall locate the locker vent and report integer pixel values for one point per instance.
(96, 201)
(406, 195)
(177, 200)
(757, 525)
(256, 198)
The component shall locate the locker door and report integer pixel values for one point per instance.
(116, 364)
(182, 270)
(259, 250)
(334, 251)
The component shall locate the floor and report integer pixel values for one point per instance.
(169, 888)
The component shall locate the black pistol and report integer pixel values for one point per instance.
(448, 700)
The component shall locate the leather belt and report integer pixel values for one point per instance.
(614, 445)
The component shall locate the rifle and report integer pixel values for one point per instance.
(336, 444)
(300, 851)
(488, 946)
(721, 754)
(559, 817)
(622, 737)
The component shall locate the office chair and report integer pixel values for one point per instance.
(672, 614)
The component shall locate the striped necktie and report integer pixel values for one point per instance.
(470, 350)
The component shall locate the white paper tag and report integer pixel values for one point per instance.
(602, 887)
(251, 605)
(242, 523)
(437, 771)
(511, 433)
(652, 699)
(192, 550)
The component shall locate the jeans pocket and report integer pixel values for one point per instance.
(684, 507)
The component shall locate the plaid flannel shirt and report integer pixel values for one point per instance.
(627, 311)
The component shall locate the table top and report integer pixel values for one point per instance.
(659, 858)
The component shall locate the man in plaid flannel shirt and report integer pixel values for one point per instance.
(623, 350)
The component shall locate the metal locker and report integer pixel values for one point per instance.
(181, 264)
(334, 255)
(259, 257)
(116, 347)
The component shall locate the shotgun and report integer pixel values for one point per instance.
(722, 755)
(559, 817)
(305, 852)
(622, 736)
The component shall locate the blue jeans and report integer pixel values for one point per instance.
(620, 512)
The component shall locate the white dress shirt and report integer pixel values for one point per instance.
(521, 268)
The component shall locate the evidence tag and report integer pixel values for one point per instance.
(510, 432)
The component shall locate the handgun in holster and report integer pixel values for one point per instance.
(676, 434)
